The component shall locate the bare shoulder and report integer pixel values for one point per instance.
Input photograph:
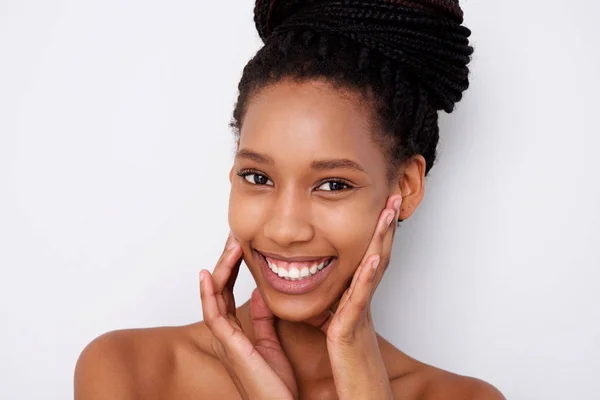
(430, 383)
(412, 379)
(151, 363)
(444, 385)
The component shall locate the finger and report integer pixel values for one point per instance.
(376, 245)
(225, 274)
(352, 304)
(218, 324)
(348, 292)
(383, 227)
(384, 232)
(387, 244)
(243, 362)
(380, 246)
(228, 290)
(227, 264)
(359, 298)
(267, 342)
(224, 328)
(263, 320)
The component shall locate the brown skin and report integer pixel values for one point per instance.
(293, 124)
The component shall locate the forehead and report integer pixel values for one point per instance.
(301, 121)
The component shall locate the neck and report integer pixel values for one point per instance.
(304, 345)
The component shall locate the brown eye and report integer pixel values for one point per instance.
(255, 178)
(334, 186)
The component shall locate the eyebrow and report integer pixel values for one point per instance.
(319, 165)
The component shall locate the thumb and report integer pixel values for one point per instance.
(267, 342)
(263, 323)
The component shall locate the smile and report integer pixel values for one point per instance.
(297, 275)
(296, 270)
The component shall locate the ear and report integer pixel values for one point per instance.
(411, 182)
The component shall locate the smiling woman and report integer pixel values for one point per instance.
(336, 129)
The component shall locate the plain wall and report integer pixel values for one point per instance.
(114, 154)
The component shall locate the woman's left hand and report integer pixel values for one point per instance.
(356, 362)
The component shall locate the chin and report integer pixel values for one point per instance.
(297, 309)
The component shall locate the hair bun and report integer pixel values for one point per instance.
(425, 37)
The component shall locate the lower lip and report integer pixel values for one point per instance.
(301, 286)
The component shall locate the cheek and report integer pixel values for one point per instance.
(243, 215)
(349, 230)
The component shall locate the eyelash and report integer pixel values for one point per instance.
(245, 172)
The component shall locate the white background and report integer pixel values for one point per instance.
(114, 154)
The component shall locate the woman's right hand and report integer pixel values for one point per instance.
(260, 370)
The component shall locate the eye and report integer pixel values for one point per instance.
(334, 185)
(254, 177)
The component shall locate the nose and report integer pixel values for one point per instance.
(288, 219)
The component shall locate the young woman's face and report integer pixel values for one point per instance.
(313, 188)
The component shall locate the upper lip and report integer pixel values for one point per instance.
(294, 258)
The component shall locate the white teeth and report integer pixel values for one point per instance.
(296, 274)
(282, 273)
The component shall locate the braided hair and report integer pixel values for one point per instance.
(409, 57)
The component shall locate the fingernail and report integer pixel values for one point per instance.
(201, 276)
(375, 263)
(231, 242)
(389, 218)
(397, 203)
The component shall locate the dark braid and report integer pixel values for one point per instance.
(409, 57)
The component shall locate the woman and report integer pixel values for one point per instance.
(336, 128)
